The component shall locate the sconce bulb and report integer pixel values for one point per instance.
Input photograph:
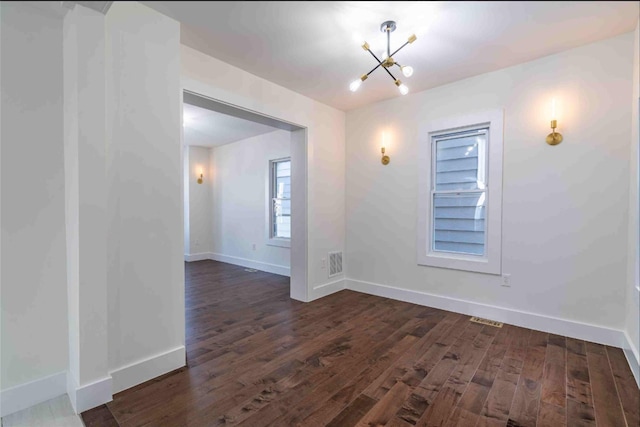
(355, 85)
(407, 71)
(403, 89)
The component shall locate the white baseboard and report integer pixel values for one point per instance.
(23, 396)
(144, 370)
(631, 352)
(327, 289)
(244, 262)
(89, 395)
(197, 257)
(569, 328)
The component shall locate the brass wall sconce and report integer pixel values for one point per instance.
(385, 143)
(554, 138)
(200, 179)
(385, 159)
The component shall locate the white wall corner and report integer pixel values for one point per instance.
(23, 396)
(143, 370)
(89, 395)
(633, 357)
(325, 289)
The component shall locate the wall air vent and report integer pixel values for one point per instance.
(335, 263)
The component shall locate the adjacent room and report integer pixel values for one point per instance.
(237, 177)
(320, 213)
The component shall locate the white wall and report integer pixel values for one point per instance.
(145, 273)
(200, 200)
(240, 194)
(564, 207)
(633, 293)
(34, 289)
(211, 77)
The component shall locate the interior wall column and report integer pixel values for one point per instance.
(88, 381)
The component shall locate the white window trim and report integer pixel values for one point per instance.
(281, 242)
(491, 263)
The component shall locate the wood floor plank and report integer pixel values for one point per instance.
(626, 387)
(257, 358)
(524, 409)
(554, 374)
(580, 414)
(550, 415)
(607, 406)
(578, 382)
(355, 411)
(500, 398)
(533, 367)
(383, 411)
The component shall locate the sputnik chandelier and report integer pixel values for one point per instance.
(388, 62)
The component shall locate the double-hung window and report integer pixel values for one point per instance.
(460, 210)
(280, 202)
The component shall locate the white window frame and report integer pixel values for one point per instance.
(491, 261)
(282, 242)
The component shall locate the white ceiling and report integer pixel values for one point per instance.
(208, 128)
(313, 47)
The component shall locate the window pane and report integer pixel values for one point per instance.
(283, 187)
(459, 223)
(283, 168)
(282, 218)
(281, 193)
(460, 161)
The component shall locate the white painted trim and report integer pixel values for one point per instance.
(197, 257)
(540, 322)
(90, 395)
(633, 358)
(244, 262)
(146, 369)
(23, 396)
(491, 263)
(325, 289)
(279, 242)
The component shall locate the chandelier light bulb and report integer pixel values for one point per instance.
(403, 89)
(407, 71)
(355, 85)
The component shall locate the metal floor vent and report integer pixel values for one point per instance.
(486, 322)
(335, 263)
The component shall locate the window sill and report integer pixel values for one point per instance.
(279, 242)
(460, 262)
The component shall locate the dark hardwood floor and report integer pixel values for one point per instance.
(257, 358)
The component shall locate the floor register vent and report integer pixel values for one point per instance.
(486, 322)
(335, 263)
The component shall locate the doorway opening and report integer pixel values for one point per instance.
(245, 189)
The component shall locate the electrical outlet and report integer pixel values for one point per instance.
(324, 263)
(506, 280)
(253, 246)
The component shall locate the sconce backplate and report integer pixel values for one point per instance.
(385, 160)
(554, 138)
